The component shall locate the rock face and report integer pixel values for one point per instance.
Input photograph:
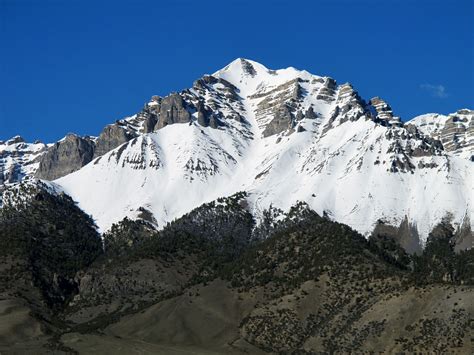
(406, 235)
(206, 117)
(172, 110)
(65, 157)
(111, 137)
(458, 132)
(248, 67)
(348, 105)
(464, 236)
(283, 120)
(328, 90)
(455, 132)
(351, 104)
(310, 114)
(73, 152)
(279, 108)
(149, 115)
(382, 113)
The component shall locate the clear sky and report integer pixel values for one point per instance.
(75, 66)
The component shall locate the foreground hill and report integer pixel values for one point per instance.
(212, 282)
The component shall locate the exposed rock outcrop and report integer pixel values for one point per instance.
(464, 236)
(66, 156)
(328, 90)
(172, 110)
(454, 133)
(206, 117)
(310, 114)
(282, 121)
(149, 115)
(406, 235)
(111, 137)
(248, 67)
(457, 131)
(352, 106)
(349, 106)
(382, 113)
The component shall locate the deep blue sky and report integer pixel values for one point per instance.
(74, 66)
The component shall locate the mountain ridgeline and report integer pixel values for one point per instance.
(280, 135)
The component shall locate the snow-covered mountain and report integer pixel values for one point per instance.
(281, 135)
(455, 131)
(19, 159)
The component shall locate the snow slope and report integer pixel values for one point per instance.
(284, 136)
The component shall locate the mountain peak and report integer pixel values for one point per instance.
(14, 140)
(251, 77)
(283, 136)
(244, 66)
(243, 73)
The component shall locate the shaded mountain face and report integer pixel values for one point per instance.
(45, 239)
(282, 136)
